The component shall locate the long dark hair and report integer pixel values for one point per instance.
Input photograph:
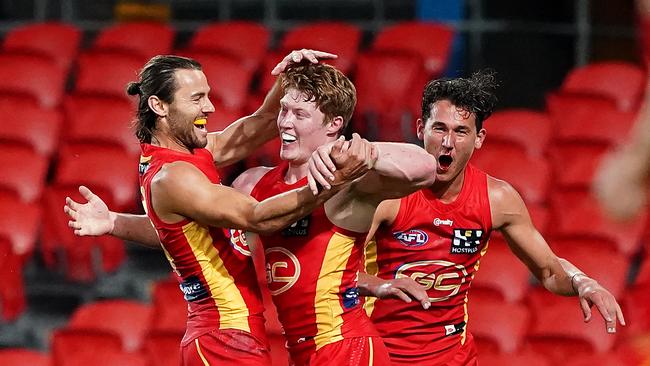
(156, 78)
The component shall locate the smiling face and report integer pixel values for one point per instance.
(302, 127)
(450, 135)
(189, 110)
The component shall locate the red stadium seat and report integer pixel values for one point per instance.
(169, 307)
(141, 39)
(12, 293)
(620, 81)
(608, 268)
(20, 224)
(576, 163)
(31, 76)
(87, 121)
(530, 176)
(129, 319)
(588, 119)
(108, 167)
(163, 348)
(23, 357)
(517, 359)
(385, 83)
(106, 74)
(431, 41)
(58, 41)
(229, 80)
(531, 130)
(339, 38)
(23, 172)
(577, 215)
(246, 41)
(77, 347)
(608, 359)
(497, 327)
(37, 126)
(559, 331)
(501, 272)
(77, 256)
(636, 310)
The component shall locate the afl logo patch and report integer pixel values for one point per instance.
(412, 238)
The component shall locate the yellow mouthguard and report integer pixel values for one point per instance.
(201, 121)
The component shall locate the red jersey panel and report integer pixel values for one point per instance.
(438, 245)
(312, 271)
(213, 265)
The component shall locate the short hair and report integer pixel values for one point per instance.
(333, 93)
(475, 95)
(156, 78)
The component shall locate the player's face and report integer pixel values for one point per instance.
(450, 135)
(301, 127)
(191, 105)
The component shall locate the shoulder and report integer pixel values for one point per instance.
(177, 175)
(500, 191)
(247, 180)
(505, 202)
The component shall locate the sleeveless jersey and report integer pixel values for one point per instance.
(312, 271)
(213, 265)
(438, 245)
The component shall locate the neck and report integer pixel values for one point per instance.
(168, 142)
(296, 172)
(448, 191)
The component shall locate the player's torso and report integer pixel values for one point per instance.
(439, 246)
(213, 265)
(311, 270)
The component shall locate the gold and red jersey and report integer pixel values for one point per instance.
(312, 269)
(440, 246)
(213, 265)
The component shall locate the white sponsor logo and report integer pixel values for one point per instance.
(449, 329)
(439, 222)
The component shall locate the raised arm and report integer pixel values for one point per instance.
(244, 136)
(93, 218)
(510, 216)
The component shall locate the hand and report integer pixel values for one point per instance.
(592, 293)
(297, 56)
(321, 166)
(91, 218)
(405, 289)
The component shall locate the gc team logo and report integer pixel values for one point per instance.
(282, 269)
(238, 241)
(444, 277)
(412, 238)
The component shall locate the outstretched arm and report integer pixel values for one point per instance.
(93, 218)
(510, 216)
(244, 136)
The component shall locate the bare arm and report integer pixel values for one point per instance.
(93, 218)
(510, 216)
(400, 169)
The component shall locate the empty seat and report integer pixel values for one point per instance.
(129, 319)
(76, 347)
(169, 307)
(33, 77)
(526, 358)
(20, 223)
(141, 39)
(163, 348)
(247, 41)
(12, 292)
(576, 163)
(529, 129)
(106, 74)
(23, 172)
(30, 124)
(620, 81)
(58, 41)
(497, 327)
(431, 41)
(530, 176)
(339, 38)
(502, 272)
(87, 121)
(23, 357)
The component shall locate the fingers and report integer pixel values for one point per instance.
(586, 309)
(72, 204)
(86, 193)
(72, 213)
(299, 55)
(312, 184)
(619, 315)
(395, 292)
(325, 163)
(607, 312)
(316, 174)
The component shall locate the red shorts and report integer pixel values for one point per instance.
(462, 355)
(356, 351)
(226, 347)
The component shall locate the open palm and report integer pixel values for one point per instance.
(91, 218)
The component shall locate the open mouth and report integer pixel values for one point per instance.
(444, 161)
(201, 123)
(287, 138)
